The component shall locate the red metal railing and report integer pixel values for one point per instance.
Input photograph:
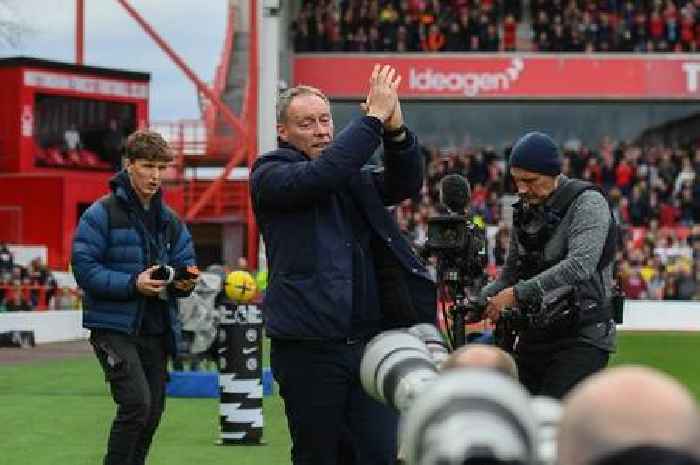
(189, 140)
(245, 127)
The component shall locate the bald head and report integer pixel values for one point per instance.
(623, 407)
(482, 356)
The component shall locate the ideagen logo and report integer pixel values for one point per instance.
(470, 84)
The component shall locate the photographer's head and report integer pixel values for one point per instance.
(147, 158)
(535, 164)
(482, 356)
(304, 119)
(649, 455)
(625, 407)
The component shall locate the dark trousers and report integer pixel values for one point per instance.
(553, 370)
(331, 419)
(136, 369)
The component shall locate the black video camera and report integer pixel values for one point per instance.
(459, 244)
(446, 233)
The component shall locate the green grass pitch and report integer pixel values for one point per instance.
(58, 413)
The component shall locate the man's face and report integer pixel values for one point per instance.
(146, 176)
(309, 125)
(533, 188)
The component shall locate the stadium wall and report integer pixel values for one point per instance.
(48, 326)
(640, 315)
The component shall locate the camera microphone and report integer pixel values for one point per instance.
(454, 193)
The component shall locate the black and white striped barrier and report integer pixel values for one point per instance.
(240, 376)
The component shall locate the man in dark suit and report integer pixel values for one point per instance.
(340, 269)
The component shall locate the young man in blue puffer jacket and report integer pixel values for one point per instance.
(120, 241)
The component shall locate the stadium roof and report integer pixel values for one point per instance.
(60, 65)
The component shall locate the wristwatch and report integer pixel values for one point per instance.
(390, 134)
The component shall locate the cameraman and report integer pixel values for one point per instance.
(556, 243)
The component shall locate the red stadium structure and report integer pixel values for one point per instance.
(454, 99)
(59, 125)
(218, 210)
(47, 182)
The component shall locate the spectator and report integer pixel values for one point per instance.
(623, 176)
(626, 407)
(686, 205)
(687, 287)
(500, 250)
(6, 260)
(686, 176)
(634, 286)
(491, 42)
(112, 143)
(639, 209)
(71, 138)
(434, 40)
(482, 356)
(455, 39)
(16, 300)
(509, 31)
(656, 285)
(39, 275)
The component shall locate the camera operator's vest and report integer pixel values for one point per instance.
(534, 231)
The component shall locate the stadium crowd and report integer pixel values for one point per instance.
(406, 25)
(654, 192)
(491, 26)
(612, 26)
(32, 287)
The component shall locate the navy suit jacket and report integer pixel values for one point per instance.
(308, 238)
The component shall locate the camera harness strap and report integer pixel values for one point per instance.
(563, 201)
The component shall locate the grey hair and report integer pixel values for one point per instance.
(286, 96)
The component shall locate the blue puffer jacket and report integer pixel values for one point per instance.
(308, 236)
(107, 259)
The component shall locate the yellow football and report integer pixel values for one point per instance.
(240, 286)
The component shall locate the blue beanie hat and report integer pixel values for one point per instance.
(536, 152)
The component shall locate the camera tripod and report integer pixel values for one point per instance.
(462, 310)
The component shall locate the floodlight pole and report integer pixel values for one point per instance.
(79, 32)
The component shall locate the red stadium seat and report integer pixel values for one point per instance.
(73, 157)
(40, 156)
(54, 157)
(89, 158)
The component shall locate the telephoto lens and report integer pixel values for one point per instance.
(547, 413)
(396, 367)
(470, 416)
(433, 340)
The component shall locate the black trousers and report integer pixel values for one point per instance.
(331, 419)
(136, 369)
(554, 369)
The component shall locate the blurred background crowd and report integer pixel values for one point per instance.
(32, 287)
(497, 25)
